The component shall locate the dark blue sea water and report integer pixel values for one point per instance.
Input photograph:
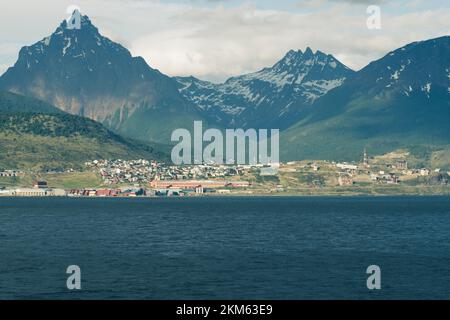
(225, 248)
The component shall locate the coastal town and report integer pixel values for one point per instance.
(149, 178)
(133, 178)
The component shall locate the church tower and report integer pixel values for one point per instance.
(365, 158)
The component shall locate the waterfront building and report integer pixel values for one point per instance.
(29, 192)
(5, 192)
(194, 184)
(186, 184)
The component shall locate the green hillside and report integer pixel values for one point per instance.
(401, 101)
(340, 130)
(33, 136)
(11, 102)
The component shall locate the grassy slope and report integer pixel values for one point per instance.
(12, 103)
(39, 141)
(41, 152)
(72, 180)
(341, 127)
(156, 125)
(35, 135)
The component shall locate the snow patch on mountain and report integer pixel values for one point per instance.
(68, 43)
(47, 41)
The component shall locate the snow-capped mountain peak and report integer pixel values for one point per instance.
(84, 45)
(85, 73)
(419, 68)
(299, 78)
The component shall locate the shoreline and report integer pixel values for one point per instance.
(262, 195)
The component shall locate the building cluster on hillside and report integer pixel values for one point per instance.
(347, 172)
(139, 172)
(387, 178)
(123, 171)
(389, 172)
(12, 173)
(132, 178)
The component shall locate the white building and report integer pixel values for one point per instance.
(346, 166)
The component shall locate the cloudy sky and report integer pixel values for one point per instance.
(216, 39)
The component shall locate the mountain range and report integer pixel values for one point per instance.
(399, 101)
(272, 97)
(324, 109)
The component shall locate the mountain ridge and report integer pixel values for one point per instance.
(84, 73)
(264, 98)
(322, 105)
(400, 100)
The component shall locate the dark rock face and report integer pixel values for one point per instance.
(84, 73)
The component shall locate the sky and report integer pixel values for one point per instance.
(216, 39)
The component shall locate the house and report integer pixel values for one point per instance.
(40, 185)
(345, 179)
(103, 193)
(11, 173)
(5, 192)
(56, 193)
(401, 165)
(345, 166)
(268, 171)
(238, 184)
(114, 193)
(389, 178)
(199, 190)
(186, 184)
(28, 192)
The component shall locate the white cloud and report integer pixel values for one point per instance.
(218, 41)
(3, 68)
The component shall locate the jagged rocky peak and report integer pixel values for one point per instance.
(69, 30)
(291, 57)
(84, 73)
(84, 22)
(295, 59)
(75, 40)
(272, 93)
(299, 53)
